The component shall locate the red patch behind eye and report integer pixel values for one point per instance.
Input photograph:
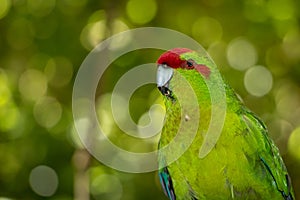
(180, 50)
(172, 57)
(203, 69)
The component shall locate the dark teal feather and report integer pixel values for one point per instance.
(166, 182)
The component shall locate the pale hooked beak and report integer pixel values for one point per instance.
(164, 75)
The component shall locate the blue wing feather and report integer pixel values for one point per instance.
(166, 182)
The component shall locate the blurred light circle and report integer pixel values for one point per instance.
(47, 112)
(95, 30)
(207, 30)
(9, 112)
(258, 81)
(106, 187)
(43, 180)
(281, 9)
(92, 34)
(9, 117)
(59, 71)
(4, 7)
(294, 144)
(241, 54)
(291, 45)
(32, 84)
(117, 27)
(141, 12)
(97, 16)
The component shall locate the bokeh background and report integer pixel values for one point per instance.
(256, 44)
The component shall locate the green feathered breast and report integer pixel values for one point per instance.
(243, 164)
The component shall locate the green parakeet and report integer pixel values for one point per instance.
(242, 163)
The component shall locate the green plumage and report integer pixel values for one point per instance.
(243, 164)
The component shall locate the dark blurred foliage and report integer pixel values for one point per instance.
(43, 43)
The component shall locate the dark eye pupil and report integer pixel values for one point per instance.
(189, 63)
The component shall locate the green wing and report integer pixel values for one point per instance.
(268, 154)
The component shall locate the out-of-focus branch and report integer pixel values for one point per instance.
(81, 162)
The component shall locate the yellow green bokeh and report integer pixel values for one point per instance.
(294, 144)
(255, 43)
(141, 12)
(47, 112)
(4, 7)
(207, 30)
(32, 84)
(258, 81)
(281, 9)
(241, 54)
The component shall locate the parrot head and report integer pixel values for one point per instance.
(180, 59)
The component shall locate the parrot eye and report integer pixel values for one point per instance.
(190, 64)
